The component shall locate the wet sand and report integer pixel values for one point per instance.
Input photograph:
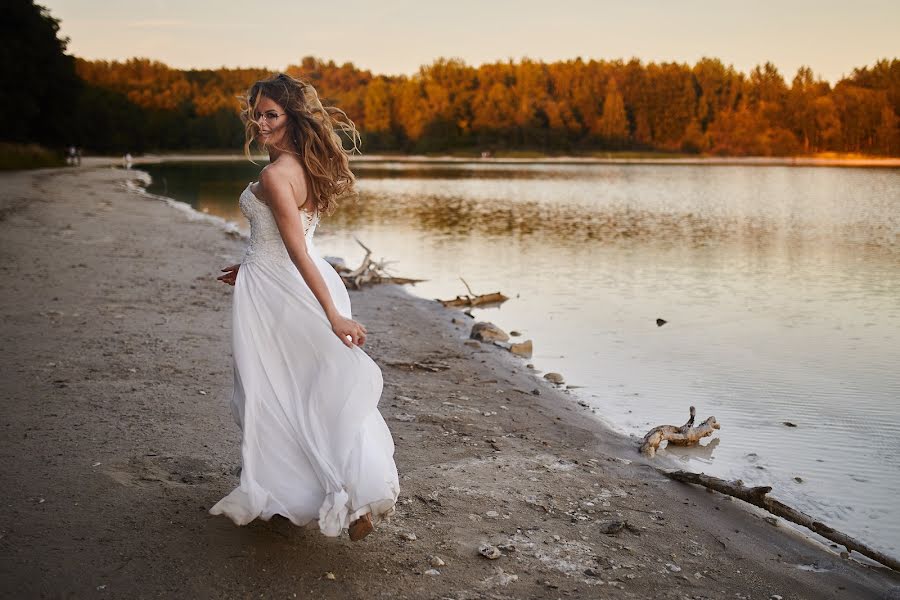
(118, 437)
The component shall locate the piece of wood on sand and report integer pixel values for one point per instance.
(686, 435)
(757, 496)
(472, 299)
(370, 272)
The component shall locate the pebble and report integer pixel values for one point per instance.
(435, 561)
(524, 349)
(409, 536)
(432, 572)
(612, 527)
(673, 568)
(489, 552)
(487, 332)
(329, 575)
(492, 514)
(554, 378)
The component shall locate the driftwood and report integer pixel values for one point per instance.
(472, 299)
(369, 272)
(426, 365)
(686, 435)
(757, 497)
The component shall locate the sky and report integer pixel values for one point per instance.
(393, 37)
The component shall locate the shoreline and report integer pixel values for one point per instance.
(126, 308)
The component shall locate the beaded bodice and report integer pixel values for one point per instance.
(265, 239)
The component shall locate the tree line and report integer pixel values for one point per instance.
(570, 106)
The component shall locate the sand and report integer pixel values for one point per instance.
(118, 437)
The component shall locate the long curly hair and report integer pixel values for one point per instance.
(311, 134)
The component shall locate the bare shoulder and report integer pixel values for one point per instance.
(284, 178)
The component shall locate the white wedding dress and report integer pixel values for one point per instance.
(314, 447)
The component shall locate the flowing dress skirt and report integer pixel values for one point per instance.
(314, 445)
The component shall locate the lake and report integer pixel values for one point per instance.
(780, 286)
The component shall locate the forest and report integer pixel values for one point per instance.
(577, 106)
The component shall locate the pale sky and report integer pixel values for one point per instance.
(398, 36)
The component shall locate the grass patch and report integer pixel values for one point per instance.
(28, 156)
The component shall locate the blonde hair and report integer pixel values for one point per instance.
(311, 134)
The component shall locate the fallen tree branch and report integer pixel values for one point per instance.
(434, 367)
(686, 435)
(369, 272)
(757, 496)
(472, 299)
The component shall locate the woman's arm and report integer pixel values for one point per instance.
(279, 195)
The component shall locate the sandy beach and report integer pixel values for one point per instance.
(118, 437)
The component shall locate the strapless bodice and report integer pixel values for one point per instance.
(265, 239)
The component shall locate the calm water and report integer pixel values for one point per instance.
(780, 285)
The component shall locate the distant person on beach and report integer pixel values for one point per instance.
(127, 160)
(70, 155)
(315, 447)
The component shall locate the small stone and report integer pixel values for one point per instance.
(329, 575)
(432, 572)
(798, 479)
(612, 527)
(554, 378)
(409, 536)
(202, 393)
(492, 514)
(435, 561)
(405, 417)
(535, 392)
(472, 344)
(489, 552)
(674, 568)
(788, 424)
(529, 366)
(775, 597)
(488, 332)
(660, 322)
(523, 349)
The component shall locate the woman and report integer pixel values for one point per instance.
(314, 446)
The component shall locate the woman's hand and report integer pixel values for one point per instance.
(349, 331)
(230, 274)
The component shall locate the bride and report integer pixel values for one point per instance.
(314, 448)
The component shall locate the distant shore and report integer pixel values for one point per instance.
(118, 437)
(625, 158)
